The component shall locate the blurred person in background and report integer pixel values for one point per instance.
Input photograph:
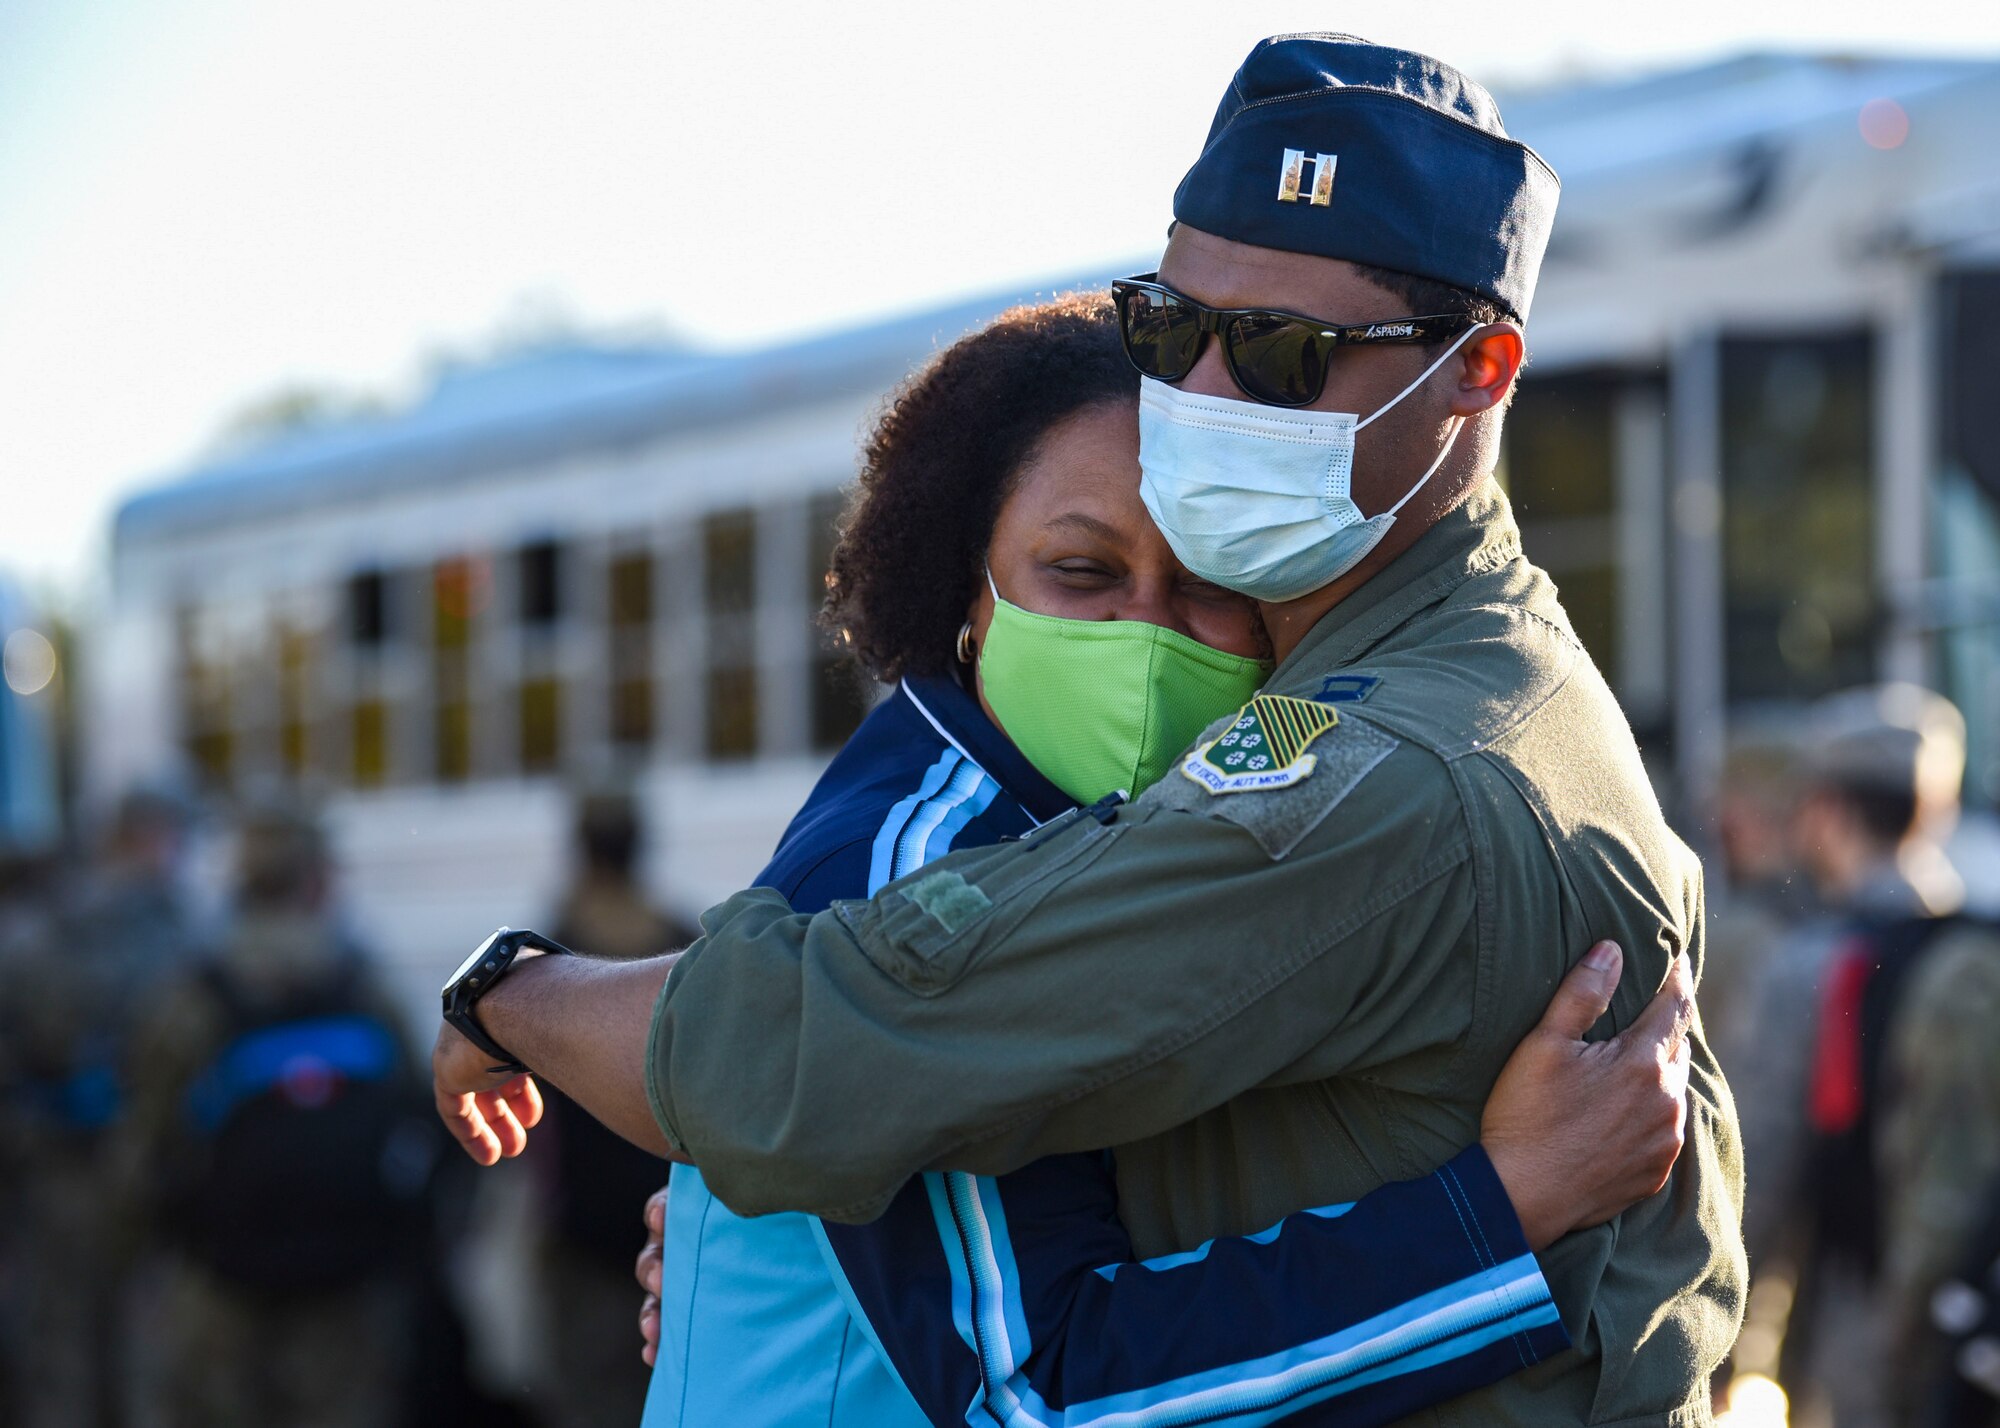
(1768, 943)
(1756, 911)
(1938, 1151)
(1763, 893)
(84, 968)
(280, 1147)
(598, 1180)
(1874, 1176)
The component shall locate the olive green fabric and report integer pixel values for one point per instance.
(1265, 1000)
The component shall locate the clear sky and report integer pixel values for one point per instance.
(202, 201)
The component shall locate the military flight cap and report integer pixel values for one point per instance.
(1894, 738)
(1330, 145)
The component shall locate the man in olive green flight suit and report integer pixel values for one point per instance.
(1279, 984)
(1265, 1000)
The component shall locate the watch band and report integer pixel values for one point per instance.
(476, 978)
(505, 1062)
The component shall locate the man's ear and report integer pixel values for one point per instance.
(1488, 367)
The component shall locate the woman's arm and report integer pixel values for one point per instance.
(1020, 1296)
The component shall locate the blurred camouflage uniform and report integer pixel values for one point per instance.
(1940, 1143)
(1964, 1391)
(223, 1353)
(78, 989)
(599, 1181)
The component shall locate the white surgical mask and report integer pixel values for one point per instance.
(1259, 499)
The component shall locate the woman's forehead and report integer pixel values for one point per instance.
(1099, 444)
(1087, 481)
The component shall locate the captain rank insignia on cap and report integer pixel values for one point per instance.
(1294, 173)
(1264, 749)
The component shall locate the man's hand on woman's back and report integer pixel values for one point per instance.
(1582, 1131)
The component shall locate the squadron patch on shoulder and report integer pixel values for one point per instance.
(1265, 748)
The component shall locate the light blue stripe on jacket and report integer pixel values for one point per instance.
(1446, 1324)
(758, 1326)
(922, 826)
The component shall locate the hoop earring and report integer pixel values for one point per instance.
(965, 647)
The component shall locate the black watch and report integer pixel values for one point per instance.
(475, 977)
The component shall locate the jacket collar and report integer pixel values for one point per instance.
(958, 716)
(1477, 537)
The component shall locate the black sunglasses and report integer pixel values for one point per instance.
(1279, 358)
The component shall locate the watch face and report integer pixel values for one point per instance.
(473, 961)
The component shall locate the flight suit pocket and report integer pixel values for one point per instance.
(924, 931)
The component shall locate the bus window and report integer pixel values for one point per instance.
(1798, 515)
(729, 549)
(629, 635)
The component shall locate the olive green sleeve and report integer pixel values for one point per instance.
(1090, 985)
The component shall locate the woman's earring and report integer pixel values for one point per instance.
(965, 643)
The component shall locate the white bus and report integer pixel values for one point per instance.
(575, 565)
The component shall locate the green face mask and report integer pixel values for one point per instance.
(1104, 705)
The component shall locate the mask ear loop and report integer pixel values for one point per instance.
(1457, 425)
(1422, 377)
(967, 650)
(1457, 422)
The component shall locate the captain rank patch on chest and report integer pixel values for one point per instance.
(1265, 748)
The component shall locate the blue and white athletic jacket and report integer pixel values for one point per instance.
(1016, 1300)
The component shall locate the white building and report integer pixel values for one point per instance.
(1749, 449)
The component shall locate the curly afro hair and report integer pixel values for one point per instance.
(940, 463)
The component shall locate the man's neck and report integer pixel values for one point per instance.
(1289, 621)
